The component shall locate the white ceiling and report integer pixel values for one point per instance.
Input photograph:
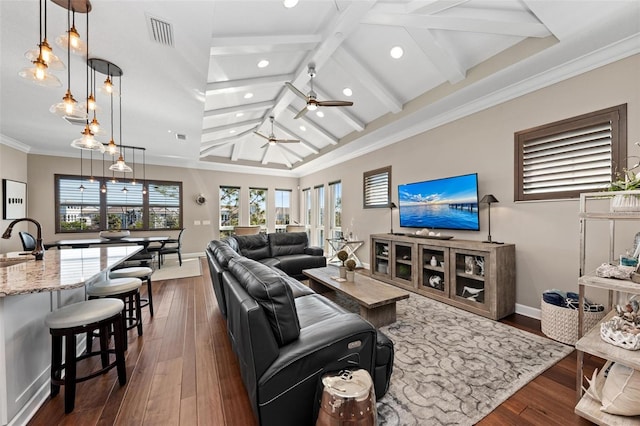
(460, 56)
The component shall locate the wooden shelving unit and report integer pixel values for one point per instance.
(591, 342)
(472, 275)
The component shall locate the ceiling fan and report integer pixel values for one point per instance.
(312, 98)
(272, 138)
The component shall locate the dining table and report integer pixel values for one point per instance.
(88, 242)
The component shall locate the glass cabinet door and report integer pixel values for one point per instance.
(381, 252)
(402, 268)
(470, 278)
(434, 265)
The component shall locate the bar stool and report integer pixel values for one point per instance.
(78, 318)
(141, 272)
(125, 289)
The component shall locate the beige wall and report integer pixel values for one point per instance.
(13, 166)
(194, 181)
(545, 233)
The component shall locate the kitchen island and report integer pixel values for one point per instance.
(29, 290)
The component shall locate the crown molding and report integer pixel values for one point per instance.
(12, 143)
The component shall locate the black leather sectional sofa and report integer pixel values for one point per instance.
(286, 336)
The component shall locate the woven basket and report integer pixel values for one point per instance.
(561, 324)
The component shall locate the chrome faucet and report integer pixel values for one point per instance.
(38, 252)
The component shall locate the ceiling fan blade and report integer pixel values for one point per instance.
(261, 135)
(265, 145)
(296, 91)
(335, 103)
(287, 140)
(302, 112)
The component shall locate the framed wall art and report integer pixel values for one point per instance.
(14, 200)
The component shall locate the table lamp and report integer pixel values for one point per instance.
(488, 199)
(392, 206)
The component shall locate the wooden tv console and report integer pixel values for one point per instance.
(472, 275)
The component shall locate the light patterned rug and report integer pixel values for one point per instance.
(453, 367)
(171, 269)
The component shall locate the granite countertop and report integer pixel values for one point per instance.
(60, 269)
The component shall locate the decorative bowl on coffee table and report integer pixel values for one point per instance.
(114, 235)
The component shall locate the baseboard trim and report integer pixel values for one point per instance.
(528, 311)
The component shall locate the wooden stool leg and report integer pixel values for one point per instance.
(104, 345)
(138, 312)
(149, 295)
(56, 362)
(69, 372)
(119, 344)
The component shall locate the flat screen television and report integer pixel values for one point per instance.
(447, 203)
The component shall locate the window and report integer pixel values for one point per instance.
(229, 209)
(377, 188)
(283, 209)
(565, 158)
(319, 198)
(306, 197)
(164, 206)
(258, 207)
(335, 209)
(122, 206)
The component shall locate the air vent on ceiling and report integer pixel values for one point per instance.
(76, 121)
(181, 136)
(160, 31)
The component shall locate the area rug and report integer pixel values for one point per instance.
(171, 269)
(453, 367)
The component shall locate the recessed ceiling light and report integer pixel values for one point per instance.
(304, 129)
(347, 91)
(248, 95)
(263, 63)
(232, 131)
(320, 114)
(239, 114)
(290, 3)
(396, 52)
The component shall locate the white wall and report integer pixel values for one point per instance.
(545, 233)
(13, 166)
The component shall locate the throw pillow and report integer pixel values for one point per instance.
(621, 391)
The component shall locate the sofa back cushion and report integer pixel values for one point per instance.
(223, 252)
(286, 243)
(254, 247)
(273, 294)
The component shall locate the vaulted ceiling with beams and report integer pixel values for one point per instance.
(205, 98)
(258, 47)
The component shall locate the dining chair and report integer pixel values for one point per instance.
(28, 242)
(246, 230)
(171, 246)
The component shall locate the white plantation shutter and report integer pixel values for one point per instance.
(377, 188)
(563, 159)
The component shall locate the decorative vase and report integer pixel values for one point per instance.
(434, 261)
(350, 276)
(343, 271)
(625, 203)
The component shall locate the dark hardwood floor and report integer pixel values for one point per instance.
(182, 371)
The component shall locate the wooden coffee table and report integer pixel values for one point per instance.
(377, 300)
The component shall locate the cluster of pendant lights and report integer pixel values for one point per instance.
(44, 60)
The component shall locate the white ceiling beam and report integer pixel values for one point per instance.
(263, 44)
(233, 86)
(336, 33)
(284, 150)
(299, 136)
(231, 126)
(257, 106)
(519, 29)
(342, 112)
(348, 60)
(210, 143)
(205, 152)
(237, 148)
(448, 66)
(265, 155)
(431, 7)
(330, 138)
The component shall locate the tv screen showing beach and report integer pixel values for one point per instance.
(448, 203)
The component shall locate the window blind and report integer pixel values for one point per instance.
(377, 188)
